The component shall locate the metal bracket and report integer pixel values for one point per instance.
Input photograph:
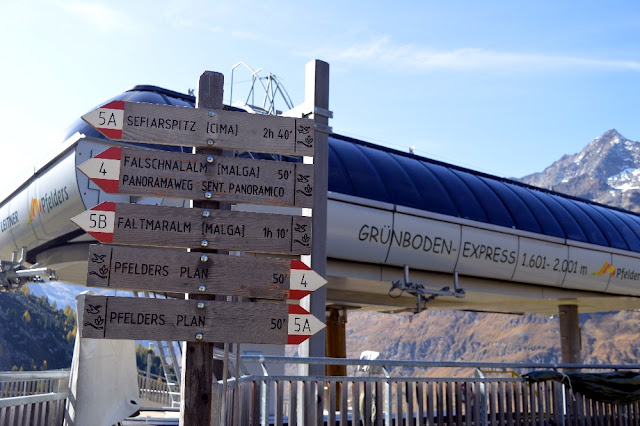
(13, 274)
(323, 128)
(419, 290)
(323, 112)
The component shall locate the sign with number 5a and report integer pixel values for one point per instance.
(107, 317)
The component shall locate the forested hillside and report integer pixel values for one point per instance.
(34, 334)
(433, 335)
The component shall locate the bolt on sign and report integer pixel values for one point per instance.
(171, 270)
(163, 226)
(199, 127)
(107, 317)
(201, 177)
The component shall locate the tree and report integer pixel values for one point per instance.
(71, 335)
(26, 317)
(70, 316)
(142, 354)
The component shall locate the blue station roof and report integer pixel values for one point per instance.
(370, 171)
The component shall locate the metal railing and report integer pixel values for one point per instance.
(155, 391)
(366, 400)
(38, 398)
(33, 397)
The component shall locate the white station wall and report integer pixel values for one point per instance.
(385, 236)
(377, 233)
(41, 211)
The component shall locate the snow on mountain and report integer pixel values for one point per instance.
(626, 180)
(607, 170)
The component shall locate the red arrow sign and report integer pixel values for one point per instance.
(108, 119)
(171, 270)
(302, 325)
(108, 169)
(98, 221)
(304, 280)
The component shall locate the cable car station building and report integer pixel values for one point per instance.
(403, 232)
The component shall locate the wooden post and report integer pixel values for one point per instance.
(336, 345)
(317, 97)
(570, 335)
(316, 103)
(198, 369)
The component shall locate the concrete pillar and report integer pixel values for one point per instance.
(570, 335)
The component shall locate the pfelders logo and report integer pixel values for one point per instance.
(34, 209)
(619, 273)
(607, 268)
(42, 205)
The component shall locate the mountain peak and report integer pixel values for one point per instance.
(611, 135)
(607, 170)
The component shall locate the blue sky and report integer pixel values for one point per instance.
(502, 87)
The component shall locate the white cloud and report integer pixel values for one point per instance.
(382, 52)
(104, 17)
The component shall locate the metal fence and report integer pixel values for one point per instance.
(154, 391)
(38, 398)
(33, 398)
(299, 400)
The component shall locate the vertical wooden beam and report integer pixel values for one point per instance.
(316, 103)
(198, 370)
(317, 96)
(570, 334)
(336, 344)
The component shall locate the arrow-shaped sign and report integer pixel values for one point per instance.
(132, 318)
(200, 177)
(137, 224)
(171, 125)
(170, 270)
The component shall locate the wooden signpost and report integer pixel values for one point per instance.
(201, 177)
(169, 270)
(194, 228)
(108, 317)
(200, 127)
(209, 177)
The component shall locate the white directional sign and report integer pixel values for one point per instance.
(171, 125)
(162, 226)
(201, 177)
(171, 270)
(131, 318)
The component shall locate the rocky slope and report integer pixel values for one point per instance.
(607, 170)
(610, 338)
